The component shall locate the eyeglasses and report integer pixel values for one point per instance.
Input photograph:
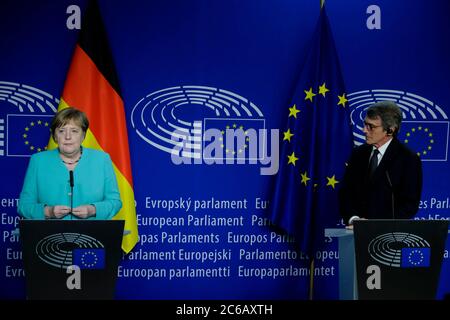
(370, 126)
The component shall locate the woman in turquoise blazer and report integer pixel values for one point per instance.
(46, 192)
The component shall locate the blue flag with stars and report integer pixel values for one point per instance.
(315, 144)
(89, 258)
(415, 257)
(428, 138)
(27, 133)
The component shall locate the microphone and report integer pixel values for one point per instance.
(71, 191)
(71, 178)
(392, 193)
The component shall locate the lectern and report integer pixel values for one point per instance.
(394, 247)
(71, 259)
(399, 259)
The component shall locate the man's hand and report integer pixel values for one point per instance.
(84, 211)
(350, 226)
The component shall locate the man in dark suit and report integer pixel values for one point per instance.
(383, 179)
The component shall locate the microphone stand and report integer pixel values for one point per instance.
(71, 192)
(392, 194)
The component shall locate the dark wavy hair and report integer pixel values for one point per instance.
(389, 113)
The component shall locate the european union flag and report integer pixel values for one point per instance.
(27, 133)
(316, 142)
(89, 258)
(239, 137)
(415, 257)
(428, 138)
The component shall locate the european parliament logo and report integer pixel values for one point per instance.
(27, 129)
(62, 250)
(425, 125)
(205, 125)
(400, 250)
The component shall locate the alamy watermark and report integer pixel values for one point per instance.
(229, 146)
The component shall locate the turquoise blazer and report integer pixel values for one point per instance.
(47, 183)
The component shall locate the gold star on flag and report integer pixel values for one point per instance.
(332, 181)
(309, 94)
(305, 178)
(293, 111)
(287, 135)
(292, 158)
(342, 100)
(323, 89)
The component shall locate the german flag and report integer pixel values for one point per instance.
(92, 86)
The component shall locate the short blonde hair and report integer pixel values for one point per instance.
(67, 115)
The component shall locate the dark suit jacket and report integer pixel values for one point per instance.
(372, 198)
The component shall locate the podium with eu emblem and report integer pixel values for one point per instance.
(71, 259)
(399, 259)
(390, 259)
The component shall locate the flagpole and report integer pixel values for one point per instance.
(309, 198)
(311, 266)
(311, 279)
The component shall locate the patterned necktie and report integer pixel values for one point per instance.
(373, 163)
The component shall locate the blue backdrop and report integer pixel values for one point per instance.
(249, 54)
